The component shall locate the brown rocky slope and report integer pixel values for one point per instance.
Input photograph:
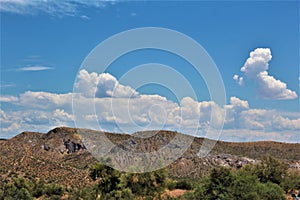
(62, 154)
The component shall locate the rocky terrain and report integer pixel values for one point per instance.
(64, 155)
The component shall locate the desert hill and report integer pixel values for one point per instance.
(62, 155)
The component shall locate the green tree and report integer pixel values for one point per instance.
(107, 178)
(245, 186)
(271, 169)
(217, 186)
(145, 184)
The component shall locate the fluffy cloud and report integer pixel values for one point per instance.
(236, 103)
(255, 68)
(257, 62)
(101, 86)
(238, 79)
(270, 88)
(108, 86)
(114, 109)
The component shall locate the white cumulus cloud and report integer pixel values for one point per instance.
(101, 86)
(256, 68)
(271, 88)
(114, 110)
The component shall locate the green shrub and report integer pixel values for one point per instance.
(18, 189)
(183, 184)
(170, 184)
(270, 191)
(87, 193)
(271, 170)
(216, 186)
(291, 182)
(53, 189)
(122, 194)
(224, 184)
(108, 178)
(145, 184)
(38, 188)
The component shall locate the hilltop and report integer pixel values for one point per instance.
(62, 155)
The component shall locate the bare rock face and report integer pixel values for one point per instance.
(64, 155)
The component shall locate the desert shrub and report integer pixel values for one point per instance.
(53, 189)
(271, 170)
(216, 186)
(270, 191)
(245, 186)
(107, 178)
(223, 183)
(291, 182)
(18, 189)
(38, 188)
(145, 184)
(184, 184)
(121, 194)
(115, 185)
(170, 184)
(87, 193)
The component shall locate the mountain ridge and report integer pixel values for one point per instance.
(62, 156)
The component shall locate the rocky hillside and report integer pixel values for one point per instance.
(63, 154)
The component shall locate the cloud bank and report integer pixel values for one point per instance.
(118, 107)
(256, 68)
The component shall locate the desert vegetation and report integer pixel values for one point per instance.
(270, 179)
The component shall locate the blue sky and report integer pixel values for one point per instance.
(44, 43)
